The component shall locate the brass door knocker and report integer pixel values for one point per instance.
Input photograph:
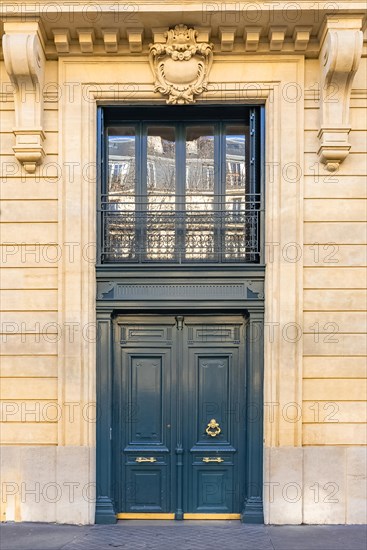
(213, 428)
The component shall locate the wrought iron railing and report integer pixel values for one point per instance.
(163, 230)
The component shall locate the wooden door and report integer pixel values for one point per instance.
(179, 416)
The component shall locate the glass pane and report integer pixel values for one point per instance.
(151, 212)
(119, 202)
(200, 207)
(235, 159)
(161, 193)
(235, 189)
(121, 160)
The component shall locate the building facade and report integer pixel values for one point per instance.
(183, 272)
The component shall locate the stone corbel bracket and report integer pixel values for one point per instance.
(341, 50)
(25, 64)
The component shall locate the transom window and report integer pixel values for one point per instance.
(179, 189)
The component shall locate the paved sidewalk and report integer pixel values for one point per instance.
(186, 535)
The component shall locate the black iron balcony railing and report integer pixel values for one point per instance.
(159, 229)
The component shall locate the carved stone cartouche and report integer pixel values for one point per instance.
(180, 66)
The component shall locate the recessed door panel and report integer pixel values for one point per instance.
(212, 372)
(146, 488)
(212, 490)
(146, 374)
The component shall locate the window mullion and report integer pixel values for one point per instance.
(141, 194)
(253, 211)
(180, 216)
(102, 184)
(219, 182)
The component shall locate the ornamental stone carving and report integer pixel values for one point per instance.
(25, 64)
(181, 65)
(341, 51)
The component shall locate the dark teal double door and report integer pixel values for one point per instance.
(179, 423)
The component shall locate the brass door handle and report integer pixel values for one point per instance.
(217, 459)
(213, 429)
(145, 459)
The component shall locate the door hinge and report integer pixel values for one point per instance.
(179, 322)
(110, 434)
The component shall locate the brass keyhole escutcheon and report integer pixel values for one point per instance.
(213, 428)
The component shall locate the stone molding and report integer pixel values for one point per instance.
(227, 37)
(25, 64)
(276, 38)
(171, 289)
(252, 38)
(62, 40)
(279, 39)
(135, 39)
(301, 37)
(110, 38)
(77, 217)
(181, 65)
(86, 39)
(342, 41)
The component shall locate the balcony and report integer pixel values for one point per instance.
(173, 229)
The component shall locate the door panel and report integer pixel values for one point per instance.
(179, 389)
(215, 389)
(211, 385)
(143, 390)
(146, 485)
(147, 374)
(146, 443)
(147, 382)
(210, 474)
(212, 490)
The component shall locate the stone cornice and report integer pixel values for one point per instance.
(336, 41)
(120, 29)
(11, 8)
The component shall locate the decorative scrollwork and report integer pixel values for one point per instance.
(181, 65)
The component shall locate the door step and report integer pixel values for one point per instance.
(171, 516)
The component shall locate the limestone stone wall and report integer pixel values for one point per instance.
(29, 299)
(42, 479)
(29, 303)
(334, 346)
(324, 481)
(334, 372)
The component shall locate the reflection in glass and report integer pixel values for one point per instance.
(119, 201)
(235, 189)
(235, 158)
(121, 160)
(165, 199)
(199, 198)
(161, 193)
